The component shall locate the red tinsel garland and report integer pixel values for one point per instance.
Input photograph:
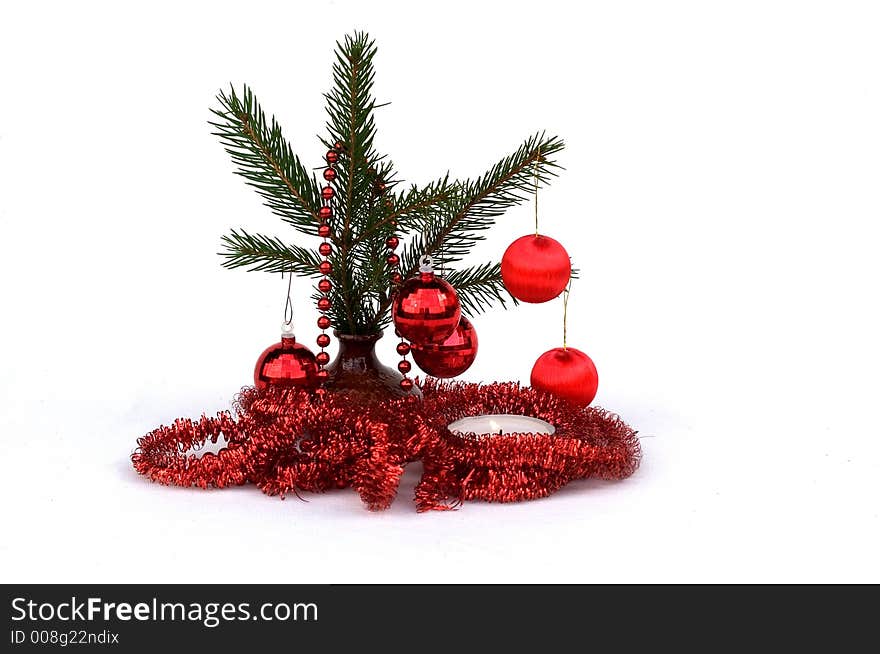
(289, 440)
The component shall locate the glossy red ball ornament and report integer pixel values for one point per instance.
(324, 304)
(393, 260)
(451, 357)
(426, 309)
(324, 230)
(406, 383)
(286, 364)
(535, 268)
(329, 174)
(324, 286)
(322, 358)
(404, 366)
(325, 249)
(327, 192)
(323, 340)
(325, 268)
(392, 242)
(332, 156)
(323, 322)
(324, 213)
(567, 373)
(403, 349)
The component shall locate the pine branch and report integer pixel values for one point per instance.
(264, 253)
(449, 236)
(265, 159)
(479, 287)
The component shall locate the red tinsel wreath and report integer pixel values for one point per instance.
(287, 441)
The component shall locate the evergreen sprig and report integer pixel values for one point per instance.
(444, 218)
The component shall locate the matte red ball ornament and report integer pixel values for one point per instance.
(451, 357)
(535, 268)
(286, 364)
(426, 309)
(567, 373)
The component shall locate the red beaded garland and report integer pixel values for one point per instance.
(339, 145)
(325, 267)
(406, 383)
(567, 373)
(324, 213)
(332, 156)
(324, 230)
(404, 366)
(324, 304)
(393, 260)
(323, 322)
(451, 357)
(322, 358)
(325, 249)
(392, 242)
(426, 309)
(535, 268)
(324, 285)
(403, 348)
(323, 340)
(329, 174)
(327, 192)
(396, 278)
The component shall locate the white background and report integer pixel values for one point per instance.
(721, 198)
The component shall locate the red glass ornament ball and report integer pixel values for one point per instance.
(406, 383)
(322, 358)
(451, 357)
(404, 366)
(393, 260)
(325, 268)
(324, 304)
(324, 322)
(323, 340)
(324, 230)
(329, 174)
(535, 268)
(325, 249)
(392, 242)
(327, 192)
(324, 285)
(332, 156)
(324, 213)
(286, 364)
(426, 309)
(567, 373)
(403, 349)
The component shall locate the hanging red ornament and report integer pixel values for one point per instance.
(286, 364)
(535, 268)
(426, 308)
(451, 357)
(567, 373)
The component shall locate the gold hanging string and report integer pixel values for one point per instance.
(565, 295)
(537, 159)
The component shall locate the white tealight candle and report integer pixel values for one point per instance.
(497, 423)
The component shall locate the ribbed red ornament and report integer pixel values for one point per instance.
(535, 268)
(451, 357)
(286, 364)
(567, 373)
(426, 309)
